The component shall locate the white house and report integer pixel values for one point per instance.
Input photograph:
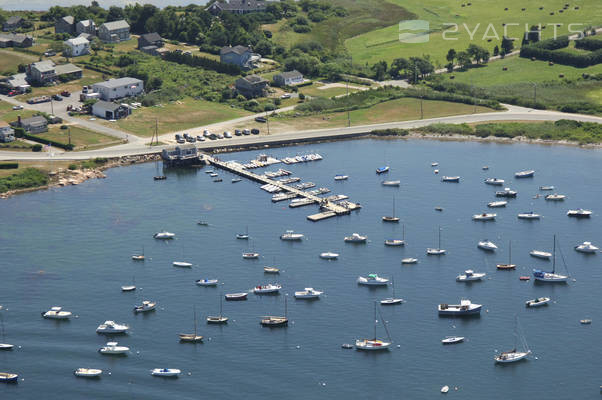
(118, 88)
(289, 78)
(77, 46)
(108, 110)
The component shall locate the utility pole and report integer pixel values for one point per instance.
(267, 120)
(348, 112)
(69, 136)
(51, 106)
(534, 93)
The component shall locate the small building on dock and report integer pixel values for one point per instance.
(181, 155)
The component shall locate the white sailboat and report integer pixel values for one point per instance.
(487, 245)
(374, 344)
(4, 346)
(217, 319)
(515, 354)
(164, 235)
(276, 321)
(551, 277)
(391, 218)
(438, 251)
(389, 301)
(191, 337)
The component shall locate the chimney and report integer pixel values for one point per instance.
(19, 120)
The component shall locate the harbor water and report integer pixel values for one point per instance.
(72, 247)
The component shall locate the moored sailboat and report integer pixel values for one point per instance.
(515, 355)
(509, 265)
(551, 276)
(374, 344)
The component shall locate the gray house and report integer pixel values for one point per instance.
(288, 78)
(237, 6)
(251, 86)
(86, 26)
(15, 40)
(7, 134)
(65, 25)
(12, 23)
(118, 88)
(114, 32)
(37, 124)
(41, 72)
(238, 55)
(150, 39)
(109, 110)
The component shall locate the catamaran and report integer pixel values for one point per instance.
(514, 354)
(374, 344)
(551, 277)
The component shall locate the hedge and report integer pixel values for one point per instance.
(548, 50)
(48, 141)
(9, 165)
(591, 44)
(203, 62)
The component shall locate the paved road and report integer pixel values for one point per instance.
(514, 113)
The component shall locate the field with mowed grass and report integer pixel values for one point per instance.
(483, 20)
(81, 138)
(10, 60)
(7, 114)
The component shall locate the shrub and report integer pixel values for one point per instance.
(36, 148)
(301, 28)
(64, 127)
(12, 165)
(72, 167)
(29, 177)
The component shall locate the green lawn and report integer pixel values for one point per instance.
(383, 44)
(10, 59)
(315, 91)
(8, 115)
(81, 138)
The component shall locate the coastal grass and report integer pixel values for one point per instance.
(7, 114)
(10, 60)
(81, 137)
(88, 78)
(23, 179)
(384, 44)
(315, 91)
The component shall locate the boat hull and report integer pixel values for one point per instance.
(512, 357)
(236, 297)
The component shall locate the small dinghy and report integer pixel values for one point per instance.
(341, 177)
(497, 204)
(329, 255)
(164, 235)
(235, 180)
(452, 339)
(236, 296)
(453, 179)
(271, 270)
(546, 188)
(347, 346)
(181, 264)
(113, 348)
(146, 306)
(87, 372)
(538, 302)
(391, 183)
(250, 256)
(409, 260)
(128, 288)
(8, 377)
(166, 372)
(207, 282)
(56, 313)
(445, 389)
(529, 215)
(524, 278)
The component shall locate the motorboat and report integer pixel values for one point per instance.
(484, 217)
(485, 167)
(128, 288)
(587, 247)
(182, 264)
(529, 215)
(347, 346)
(329, 255)
(394, 242)
(139, 257)
(409, 260)
(374, 344)
(436, 171)
(546, 188)
(341, 177)
(382, 170)
(203, 223)
(250, 256)
(6, 346)
(243, 236)
(111, 327)
(271, 270)
(551, 276)
(272, 321)
(487, 245)
(466, 307)
(146, 305)
(538, 302)
(586, 321)
(438, 208)
(509, 265)
(291, 236)
(213, 174)
(555, 197)
(87, 372)
(166, 372)
(390, 301)
(113, 348)
(56, 313)
(454, 179)
(207, 282)
(308, 293)
(356, 238)
(445, 389)
(507, 192)
(372, 280)
(580, 213)
(452, 339)
(494, 181)
(164, 235)
(236, 296)
(469, 276)
(524, 174)
(435, 164)
(545, 255)
(515, 354)
(235, 180)
(8, 377)
(497, 204)
(267, 289)
(391, 183)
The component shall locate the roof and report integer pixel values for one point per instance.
(245, 5)
(253, 79)
(77, 40)
(14, 19)
(115, 83)
(19, 38)
(37, 120)
(86, 22)
(43, 66)
(107, 105)
(236, 49)
(13, 37)
(68, 19)
(291, 74)
(18, 80)
(66, 69)
(85, 35)
(151, 37)
(121, 24)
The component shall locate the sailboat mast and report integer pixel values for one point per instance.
(554, 256)
(510, 252)
(403, 232)
(285, 306)
(375, 320)
(439, 248)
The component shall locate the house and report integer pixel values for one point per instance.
(12, 23)
(239, 55)
(237, 6)
(86, 26)
(152, 50)
(150, 39)
(37, 124)
(65, 25)
(108, 110)
(288, 78)
(7, 134)
(118, 88)
(114, 32)
(251, 86)
(68, 72)
(78, 46)
(15, 40)
(44, 72)
(87, 36)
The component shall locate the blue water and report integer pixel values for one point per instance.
(71, 247)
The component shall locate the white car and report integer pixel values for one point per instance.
(286, 96)
(227, 135)
(17, 107)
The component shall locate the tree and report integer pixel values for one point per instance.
(399, 67)
(464, 59)
(115, 14)
(451, 55)
(496, 50)
(264, 47)
(478, 53)
(507, 45)
(331, 71)
(380, 70)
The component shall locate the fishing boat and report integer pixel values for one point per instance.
(235, 180)
(308, 293)
(372, 280)
(497, 204)
(271, 270)
(276, 321)
(452, 339)
(291, 236)
(391, 183)
(438, 251)
(587, 247)
(111, 327)
(544, 188)
(470, 276)
(484, 217)
(382, 170)
(580, 213)
(509, 265)
(87, 372)
(329, 255)
(538, 302)
(485, 167)
(113, 348)
(207, 282)
(356, 238)
(267, 289)
(466, 307)
(341, 177)
(181, 264)
(507, 192)
(524, 174)
(164, 235)
(551, 277)
(494, 181)
(409, 260)
(515, 355)
(138, 257)
(529, 215)
(454, 179)
(191, 337)
(544, 255)
(236, 296)
(438, 208)
(487, 245)
(243, 236)
(390, 301)
(146, 306)
(166, 372)
(217, 319)
(555, 197)
(57, 313)
(375, 344)
(586, 321)
(391, 218)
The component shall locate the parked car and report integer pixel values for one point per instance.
(286, 96)
(186, 136)
(220, 136)
(261, 119)
(190, 139)
(246, 132)
(17, 107)
(237, 132)
(200, 138)
(65, 93)
(255, 131)
(181, 141)
(12, 93)
(178, 136)
(227, 135)
(57, 97)
(50, 53)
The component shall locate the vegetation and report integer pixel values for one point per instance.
(553, 50)
(9, 165)
(26, 178)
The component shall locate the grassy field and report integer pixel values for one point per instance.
(383, 44)
(89, 77)
(8, 115)
(9, 60)
(315, 91)
(81, 138)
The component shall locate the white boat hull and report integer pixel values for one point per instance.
(511, 357)
(391, 301)
(87, 373)
(182, 264)
(166, 373)
(371, 345)
(329, 256)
